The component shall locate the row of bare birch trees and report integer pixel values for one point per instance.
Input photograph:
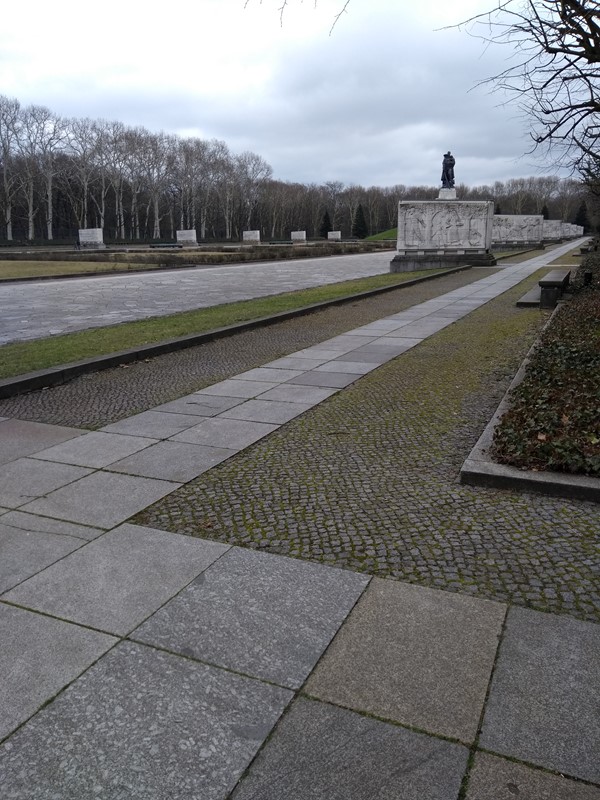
(59, 175)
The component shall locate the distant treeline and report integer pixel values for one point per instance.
(59, 175)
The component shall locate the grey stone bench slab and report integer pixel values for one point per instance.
(531, 298)
(552, 287)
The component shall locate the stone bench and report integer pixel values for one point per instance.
(552, 287)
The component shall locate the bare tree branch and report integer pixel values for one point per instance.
(285, 3)
(553, 77)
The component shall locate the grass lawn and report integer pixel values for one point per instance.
(22, 357)
(392, 234)
(39, 269)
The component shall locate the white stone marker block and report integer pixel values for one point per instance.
(334, 236)
(552, 229)
(91, 239)
(187, 238)
(251, 236)
(446, 226)
(433, 234)
(299, 237)
(517, 228)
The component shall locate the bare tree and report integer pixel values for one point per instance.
(285, 3)
(555, 71)
(9, 115)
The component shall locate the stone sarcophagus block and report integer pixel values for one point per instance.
(517, 229)
(552, 229)
(187, 238)
(433, 234)
(91, 239)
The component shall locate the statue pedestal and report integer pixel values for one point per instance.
(447, 194)
(433, 234)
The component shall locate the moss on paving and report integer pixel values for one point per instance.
(369, 480)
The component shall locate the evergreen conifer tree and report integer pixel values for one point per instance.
(581, 218)
(545, 213)
(326, 225)
(360, 229)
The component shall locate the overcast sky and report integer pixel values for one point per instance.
(377, 102)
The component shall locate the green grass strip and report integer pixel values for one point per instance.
(383, 236)
(41, 269)
(22, 357)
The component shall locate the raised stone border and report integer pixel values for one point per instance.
(480, 470)
(62, 373)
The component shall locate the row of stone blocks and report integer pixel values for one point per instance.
(449, 232)
(93, 239)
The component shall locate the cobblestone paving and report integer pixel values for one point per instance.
(98, 399)
(369, 480)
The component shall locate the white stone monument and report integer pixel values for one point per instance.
(187, 238)
(517, 230)
(433, 234)
(552, 230)
(91, 239)
(334, 236)
(251, 237)
(299, 237)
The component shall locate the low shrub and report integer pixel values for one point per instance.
(554, 418)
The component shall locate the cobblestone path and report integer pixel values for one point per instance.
(100, 398)
(369, 480)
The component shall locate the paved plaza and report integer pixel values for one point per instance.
(163, 643)
(36, 309)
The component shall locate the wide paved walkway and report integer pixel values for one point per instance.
(36, 309)
(142, 663)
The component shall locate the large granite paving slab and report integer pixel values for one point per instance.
(26, 479)
(494, 778)
(116, 581)
(295, 361)
(38, 657)
(233, 388)
(23, 553)
(346, 366)
(33, 523)
(293, 393)
(261, 614)
(173, 461)
(545, 696)
(268, 374)
(417, 656)
(20, 438)
(273, 411)
(153, 424)
(320, 752)
(232, 434)
(95, 449)
(142, 725)
(328, 380)
(199, 405)
(102, 499)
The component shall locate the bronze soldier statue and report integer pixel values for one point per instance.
(448, 171)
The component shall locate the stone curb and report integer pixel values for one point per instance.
(53, 376)
(479, 469)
